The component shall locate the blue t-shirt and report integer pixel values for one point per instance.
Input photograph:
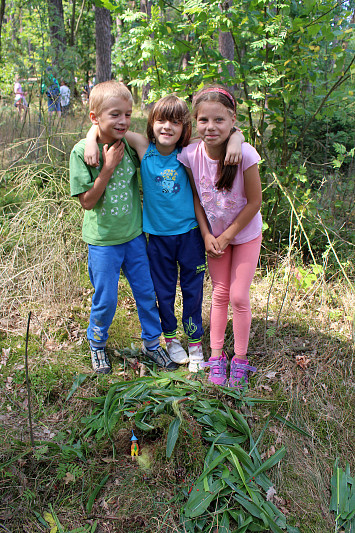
(168, 207)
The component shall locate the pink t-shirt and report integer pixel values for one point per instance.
(222, 206)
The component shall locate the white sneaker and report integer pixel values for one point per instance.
(176, 352)
(196, 357)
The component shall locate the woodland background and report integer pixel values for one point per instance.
(64, 464)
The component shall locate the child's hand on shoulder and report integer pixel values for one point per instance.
(113, 156)
(92, 154)
(212, 246)
(234, 149)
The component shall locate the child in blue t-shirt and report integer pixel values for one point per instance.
(175, 243)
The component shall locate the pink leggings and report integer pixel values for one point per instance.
(231, 275)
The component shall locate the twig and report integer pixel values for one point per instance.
(4, 528)
(28, 382)
(12, 401)
(290, 246)
(269, 293)
(285, 193)
(335, 254)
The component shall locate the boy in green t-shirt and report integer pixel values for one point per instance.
(112, 226)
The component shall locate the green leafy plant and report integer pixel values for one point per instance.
(342, 501)
(233, 484)
(304, 278)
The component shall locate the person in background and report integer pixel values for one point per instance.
(64, 98)
(85, 91)
(20, 97)
(51, 87)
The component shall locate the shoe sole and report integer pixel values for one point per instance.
(182, 362)
(108, 371)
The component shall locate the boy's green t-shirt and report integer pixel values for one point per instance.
(117, 216)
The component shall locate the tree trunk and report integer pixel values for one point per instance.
(72, 25)
(2, 11)
(226, 44)
(56, 29)
(146, 7)
(103, 44)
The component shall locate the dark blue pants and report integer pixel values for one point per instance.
(105, 263)
(166, 254)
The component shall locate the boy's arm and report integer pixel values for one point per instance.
(92, 152)
(138, 142)
(234, 148)
(111, 158)
(92, 155)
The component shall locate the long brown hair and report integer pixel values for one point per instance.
(217, 93)
(171, 108)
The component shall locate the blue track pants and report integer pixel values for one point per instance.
(166, 254)
(105, 263)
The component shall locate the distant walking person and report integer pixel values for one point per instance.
(52, 90)
(20, 100)
(64, 98)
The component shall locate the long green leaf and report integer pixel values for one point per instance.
(223, 525)
(213, 465)
(269, 463)
(79, 380)
(291, 425)
(241, 473)
(200, 499)
(95, 493)
(173, 435)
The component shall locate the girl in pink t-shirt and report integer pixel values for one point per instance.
(227, 204)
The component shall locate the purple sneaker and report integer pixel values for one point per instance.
(239, 374)
(218, 372)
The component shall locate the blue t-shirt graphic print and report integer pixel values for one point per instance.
(168, 207)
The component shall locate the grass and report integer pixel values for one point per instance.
(302, 342)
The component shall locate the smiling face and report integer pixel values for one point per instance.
(214, 123)
(114, 120)
(167, 134)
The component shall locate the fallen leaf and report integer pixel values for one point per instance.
(302, 361)
(5, 356)
(266, 387)
(51, 345)
(68, 478)
(104, 504)
(49, 518)
(270, 494)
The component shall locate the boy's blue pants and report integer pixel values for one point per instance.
(165, 254)
(104, 265)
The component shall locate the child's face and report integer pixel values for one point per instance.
(167, 133)
(114, 120)
(214, 123)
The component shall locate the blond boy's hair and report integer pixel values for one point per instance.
(103, 92)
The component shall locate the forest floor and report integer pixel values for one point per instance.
(58, 476)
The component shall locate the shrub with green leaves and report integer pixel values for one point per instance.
(233, 487)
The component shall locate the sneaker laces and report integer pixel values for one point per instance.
(218, 366)
(240, 371)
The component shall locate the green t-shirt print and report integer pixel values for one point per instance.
(117, 216)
